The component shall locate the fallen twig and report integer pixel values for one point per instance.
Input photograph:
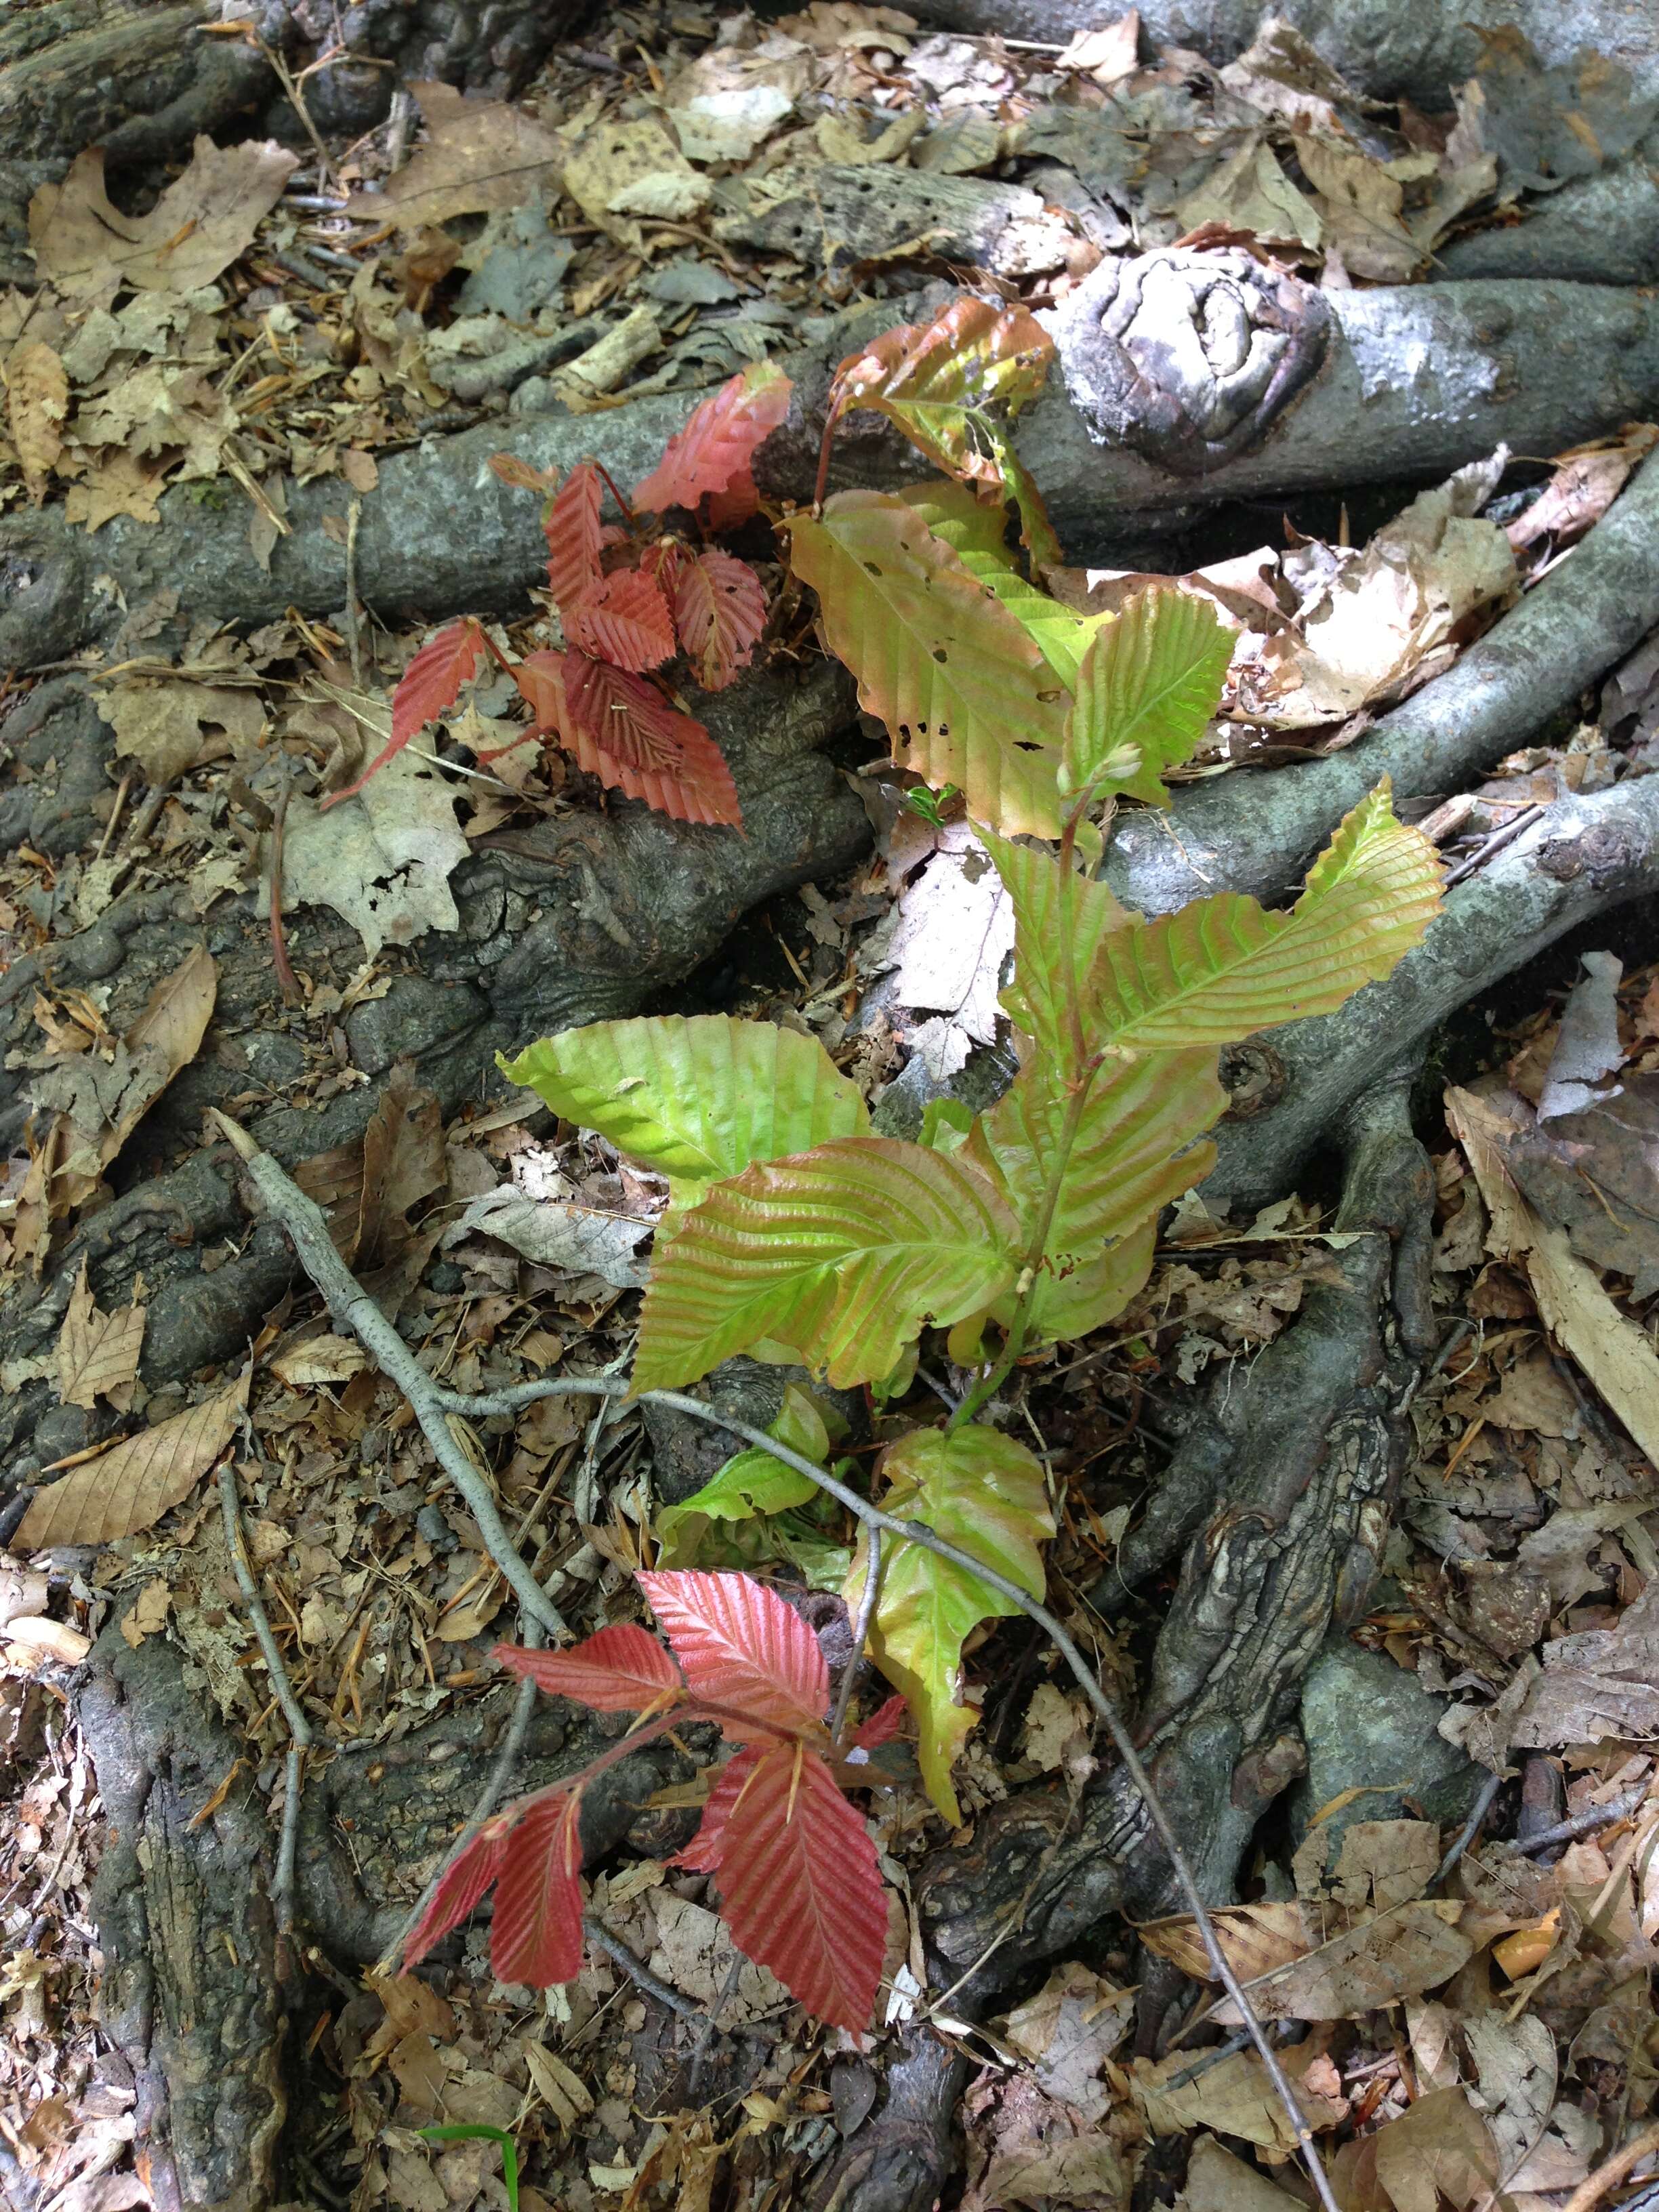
(599, 1935)
(1471, 1828)
(1608, 2177)
(300, 1730)
(1584, 1824)
(353, 1308)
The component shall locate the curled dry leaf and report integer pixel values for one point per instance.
(131, 1486)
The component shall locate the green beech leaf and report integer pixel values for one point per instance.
(984, 1493)
(964, 690)
(751, 1482)
(695, 1098)
(1136, 1148)
(975, 528)
(1149, 684)
(1057, 929)
(1061, 635)
(1220, 968)
(1036, 532)
(844, 1251)
(931, 378)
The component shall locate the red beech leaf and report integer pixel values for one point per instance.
(463, 1883)
(431, 682)
(719, 440)
(573, 535)
(741, 1647)
(726, 510)
(702, 1854)
(535, 1936)
(882, 1725)
(800, 1887)
(662, 562)
(691, 780)
(720, 611)
(620, 1670)
(623, 619)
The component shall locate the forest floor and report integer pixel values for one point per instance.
(1485, 2030)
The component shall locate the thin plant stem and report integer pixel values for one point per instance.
(873, 1571)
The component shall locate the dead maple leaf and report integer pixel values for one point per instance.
(88, 249)
(479, 154)
(97, 1352)
(130, 1486)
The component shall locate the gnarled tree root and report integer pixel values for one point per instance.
(1316, 1444)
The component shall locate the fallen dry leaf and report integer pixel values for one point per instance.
(1596, 1684)
(1612, 1353)
(1219, 2182)
(479, 154)
(37, 400)
(88, 249)
(1587, 481)
(555, 1232)
(130, 1486)
(97, 1352)
(163, 723)
(383, 859)
(1067, 2031)
(319, 1359)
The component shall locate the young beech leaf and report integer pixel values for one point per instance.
(618, 1670)
(1148, 685)
(965, 692)
(719, 443)
(464, 1881)
(704, 1853)
(844, 1251)
(1058, 930)
(624, 619)
(431, 682)
(571, 523)
(740, 1647)
(882, 1725)
(984, 1493)
(696, 1097)
(752, 1483)
(800, 1885)
(1213, 971)
(720, 611)
(666, 758)
(931, 378)
(536, 1935)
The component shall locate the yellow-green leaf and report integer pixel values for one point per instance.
(964, 690)
(844, 1252)
(1058, 930)
(984, 1492)
(1148, 685)
(1220, 968)
(695, 1098)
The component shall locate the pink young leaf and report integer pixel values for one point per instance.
(535, 1936)
(649, 751)
(623, 619)
(464, 1881)
(720, 610)
(882, 1725)
(431, 682)
(741, 1647)
(800, 1887)
(702, 1854)
(620, 1670)
(726, 510)
(573, 535)
(719, 440)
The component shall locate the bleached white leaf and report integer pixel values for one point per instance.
(381, 860)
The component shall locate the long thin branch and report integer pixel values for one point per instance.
(354, 1309)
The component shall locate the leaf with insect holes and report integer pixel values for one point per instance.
(719, 443)
(672, 762)
(843, 1252)
(623, 619)
(931, 378)
(696, 1097)
(571, 524)
(964, 690)
(984, 1492)
(1148, 685)
(431, 682)
(464, 1880)
(617, 1671)
(1216, 971)
(742, 1648)
(800, 1887)
(720, 611)
(536, 1935)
